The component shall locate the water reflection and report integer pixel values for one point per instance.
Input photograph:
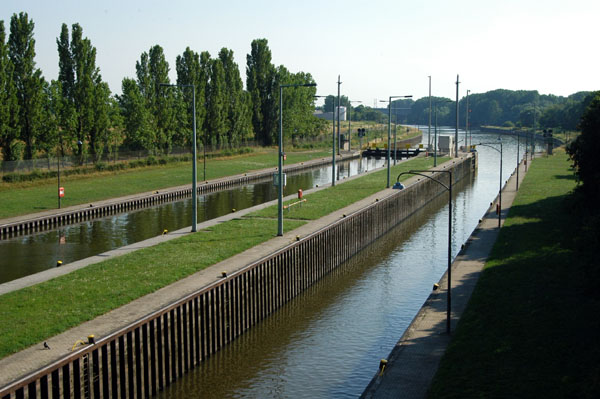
(25, 255)
(327, 342)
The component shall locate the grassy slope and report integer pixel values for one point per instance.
(54, 306)
(529, 330)
(39, 196)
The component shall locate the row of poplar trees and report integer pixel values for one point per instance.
(77, 114)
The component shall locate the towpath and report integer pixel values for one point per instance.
(414, 360)
(29, 360)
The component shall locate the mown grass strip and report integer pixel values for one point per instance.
(529, 330)
(324, 202)
(54, 306)
(21, 199)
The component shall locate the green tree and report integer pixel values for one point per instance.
(190, 71)
(8, 102)
(585, 148)
(137, 119)
(28, 81)
(235, 101)
(217, 111)
(152, 70)
(84, 113)
(298, 105)
(331, 102)
(260, 83)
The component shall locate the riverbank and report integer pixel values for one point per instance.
(93, 290)
(529, 329)
(19, 199)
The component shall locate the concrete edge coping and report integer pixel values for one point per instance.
(33, 358)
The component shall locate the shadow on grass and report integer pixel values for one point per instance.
(528, 329)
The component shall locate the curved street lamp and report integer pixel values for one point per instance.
(280, 156)
(500, 188)
(448, 187)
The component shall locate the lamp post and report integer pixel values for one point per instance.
(280, 156)
(194, 166)
(456, 133)
(518, 162)
(467, 120)
(429, 128)
(349, 124)
(449, 188)
(500, 188)
(390, 134)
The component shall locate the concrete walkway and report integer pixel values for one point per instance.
(27, 361)
(413, 362)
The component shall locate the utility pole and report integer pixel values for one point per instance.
(338, 117)
(429, 128)
(456, 131)
(467, 119)
(333, 144)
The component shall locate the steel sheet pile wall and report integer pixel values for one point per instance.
(145, 357)
(95, 212)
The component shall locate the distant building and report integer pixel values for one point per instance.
(329, 115)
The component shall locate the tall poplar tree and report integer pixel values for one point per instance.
(152, 70)
(217, 97)
(236, 101)
(137, 119)
(191, 72)
(84, 114)
(260, 82)
(28, 81)
(8, 103)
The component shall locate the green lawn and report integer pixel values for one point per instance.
(54, 306)
(530, 329)
(42, 195)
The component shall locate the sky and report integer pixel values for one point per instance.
(379, 48)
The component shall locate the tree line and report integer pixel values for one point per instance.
(509, 108)
(76, 113)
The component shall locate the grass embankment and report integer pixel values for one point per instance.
(23, 198)
(530, 329)
(30, 315)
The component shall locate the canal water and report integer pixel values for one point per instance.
(24, 255)
(327, 342)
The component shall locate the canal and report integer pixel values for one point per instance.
(327, 342)
(24, 255)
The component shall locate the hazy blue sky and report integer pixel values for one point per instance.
(379, 47)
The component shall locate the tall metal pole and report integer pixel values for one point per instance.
(429, 128)
(518, 161)
(333, 145)
(280, 168)
(389, 140)
(449, 302)
(338, 117)
(58, 191)
(533, 135)
(500, 195)
(194, 155)
(456, 132)
(395, 128)
(435, 151)
(349, 126)
(467, 121)
(194, 169)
